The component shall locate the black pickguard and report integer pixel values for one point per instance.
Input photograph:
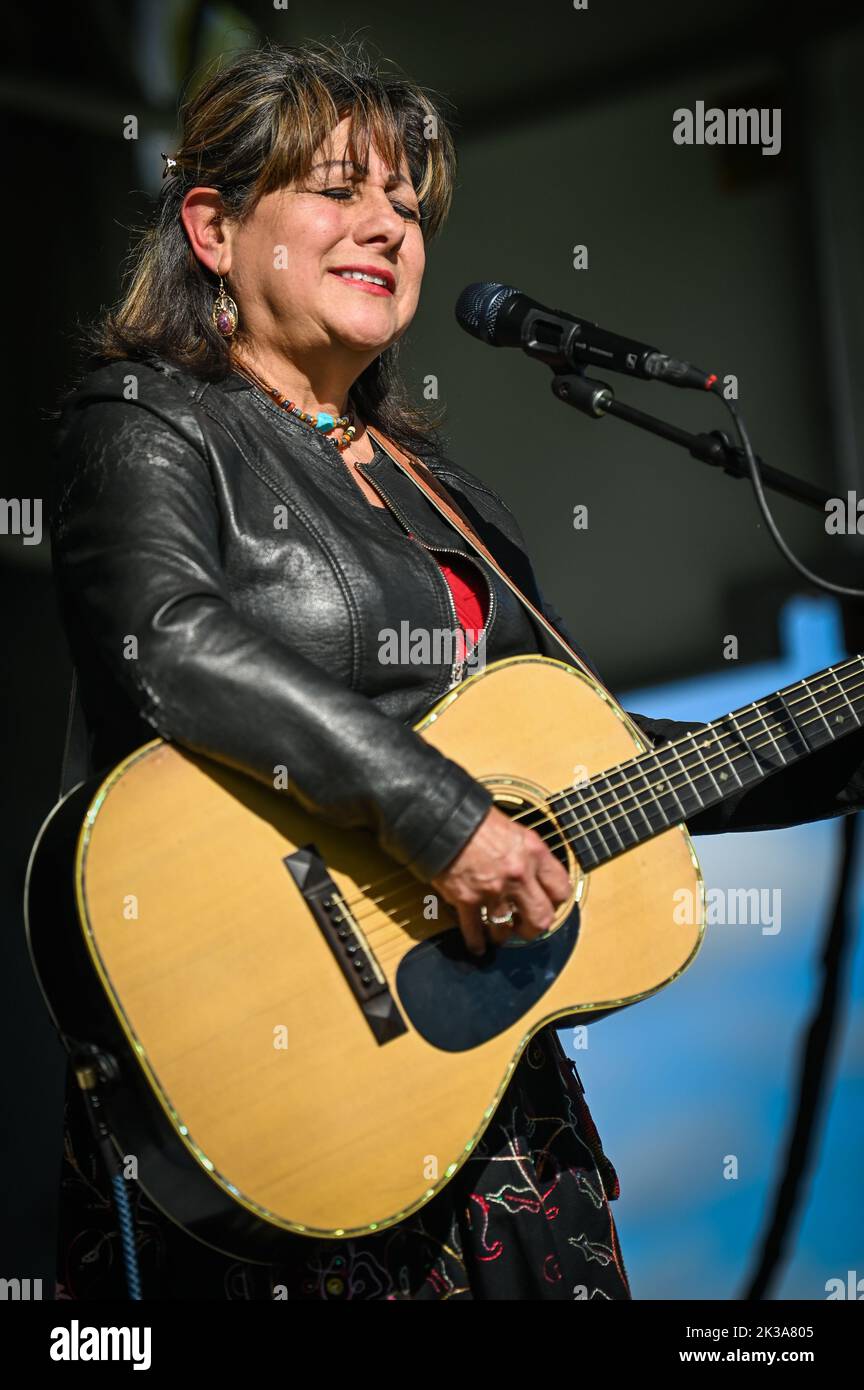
(457, 1001)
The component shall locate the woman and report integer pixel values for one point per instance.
(234, 386)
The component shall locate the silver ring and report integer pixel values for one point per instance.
(486, 916)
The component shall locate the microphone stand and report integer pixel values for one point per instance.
(596, 398)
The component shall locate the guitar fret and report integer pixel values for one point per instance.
(634, 803)
(663, 788)
(598, 831)
(783, 733)
(734, 770)
(619, 820)
(689, 784)
(599, 791)
(580, 841)
(757, 709)
(648, 805)
(705, 743)
(840, 686)
(810, 733)
(785, 728)
(818, 708)
(746, 742)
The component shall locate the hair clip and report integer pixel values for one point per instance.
(169, 165)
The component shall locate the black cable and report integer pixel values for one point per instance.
(820, 1037)
(839, 589)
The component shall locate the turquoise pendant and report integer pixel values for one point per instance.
(325, 422)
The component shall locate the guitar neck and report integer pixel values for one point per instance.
(640, 798)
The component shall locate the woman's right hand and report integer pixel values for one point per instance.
(503, 865)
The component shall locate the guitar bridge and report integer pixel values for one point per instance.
(350, 948)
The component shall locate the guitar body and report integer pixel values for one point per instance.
(178, 922)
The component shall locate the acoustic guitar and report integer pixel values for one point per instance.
(290, 1035)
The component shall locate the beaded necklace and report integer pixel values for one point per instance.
(322, 422)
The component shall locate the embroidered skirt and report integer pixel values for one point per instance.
(526, 1217)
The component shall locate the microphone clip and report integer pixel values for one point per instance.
(591, 397)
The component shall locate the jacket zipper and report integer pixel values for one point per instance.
(458, 666)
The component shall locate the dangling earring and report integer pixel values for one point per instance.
(224, 312)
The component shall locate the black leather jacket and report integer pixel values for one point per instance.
(224, 583)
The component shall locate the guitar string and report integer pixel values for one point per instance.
(663, 761)
(579, 823)
(660, 754)
(392, 945)
(391, 935)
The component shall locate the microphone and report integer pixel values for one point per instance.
(504, 317)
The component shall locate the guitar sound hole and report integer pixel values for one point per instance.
(532, 815)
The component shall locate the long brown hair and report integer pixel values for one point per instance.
(253, 125)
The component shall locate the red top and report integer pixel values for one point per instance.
(470, 596)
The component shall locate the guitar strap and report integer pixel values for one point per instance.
(429, 485)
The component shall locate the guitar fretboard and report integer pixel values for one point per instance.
(646, 795)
